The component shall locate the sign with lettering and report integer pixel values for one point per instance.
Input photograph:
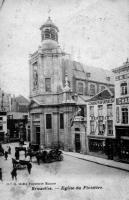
(123, 100)
(121, 77)
(105, 101)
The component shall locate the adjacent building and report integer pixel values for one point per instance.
(18, 127)
(100, 123)
(122, 110)
(3, 126)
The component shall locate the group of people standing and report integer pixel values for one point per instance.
(14, 170)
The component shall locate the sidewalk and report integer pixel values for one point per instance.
(100, 161)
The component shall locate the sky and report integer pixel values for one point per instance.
(95, 32)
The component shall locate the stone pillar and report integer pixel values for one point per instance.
(32, 131)
(67, 129)
(55, 125)
(42, 129)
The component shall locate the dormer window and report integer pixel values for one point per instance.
(88, 75)
(108, 78)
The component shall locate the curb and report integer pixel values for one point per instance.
(107, 165)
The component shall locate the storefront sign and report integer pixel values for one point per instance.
(124, 100)
(105, 101)
(121, 77)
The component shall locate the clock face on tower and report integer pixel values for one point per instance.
(35, 75)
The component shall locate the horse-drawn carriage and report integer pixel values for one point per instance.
(20, 164)
(48, 156)
(20, 149)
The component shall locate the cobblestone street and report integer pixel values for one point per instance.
(68, 179)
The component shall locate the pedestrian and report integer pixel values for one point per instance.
(14, 173)
(9, 150)
(17, 155)
(29, 166)
(6, 155)
(1, 174)
(38, 159)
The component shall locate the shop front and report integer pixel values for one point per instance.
(96, 146)
(122, 135)
(102, 147)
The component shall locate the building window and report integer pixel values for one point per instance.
(100, 127)
(125, 115)
(92, 90)
(1, 127)
(100, 110)
(1, 118)
(117, 115)
(47, 34)
(92, 127)
(102, 88)
(91, 110)
(77, 129)
(123, 88)
(36, 116)
(47, 84)
(108, 78)
(35, 75)
(109, 110)
(48, 121)
(53, 34)
(61, 121)
(110, 127)
(80, 88)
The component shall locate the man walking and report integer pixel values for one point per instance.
(9, 150)
(6, 155)
(14, 173)
(17, 155)
(29, 166)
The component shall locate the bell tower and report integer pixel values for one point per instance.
(46, 73)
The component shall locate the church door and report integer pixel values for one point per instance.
(37, 135)
(77, 143)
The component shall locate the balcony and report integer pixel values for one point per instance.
(80, 119)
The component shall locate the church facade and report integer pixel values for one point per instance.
(58, 89)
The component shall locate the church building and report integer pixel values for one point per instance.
(58, 90)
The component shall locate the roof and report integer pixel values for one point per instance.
(105, 94)
(96, 74)
(122, 68)
(22, 100)
(81, 71)
(49, 23)
(17, 115)
(80, 101)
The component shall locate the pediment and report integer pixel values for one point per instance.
(34, 104)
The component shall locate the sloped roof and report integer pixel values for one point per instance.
(96, 74)
(80, 101)
(105, 94)
(22, 100)
(17, 115)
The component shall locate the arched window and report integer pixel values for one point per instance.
(53, 34)
(80, 88)
(47, 34)
(92, 89)
(123, 88)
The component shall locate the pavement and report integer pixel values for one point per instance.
(100, 161)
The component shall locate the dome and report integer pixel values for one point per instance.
(49, 44)
(49, 23)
